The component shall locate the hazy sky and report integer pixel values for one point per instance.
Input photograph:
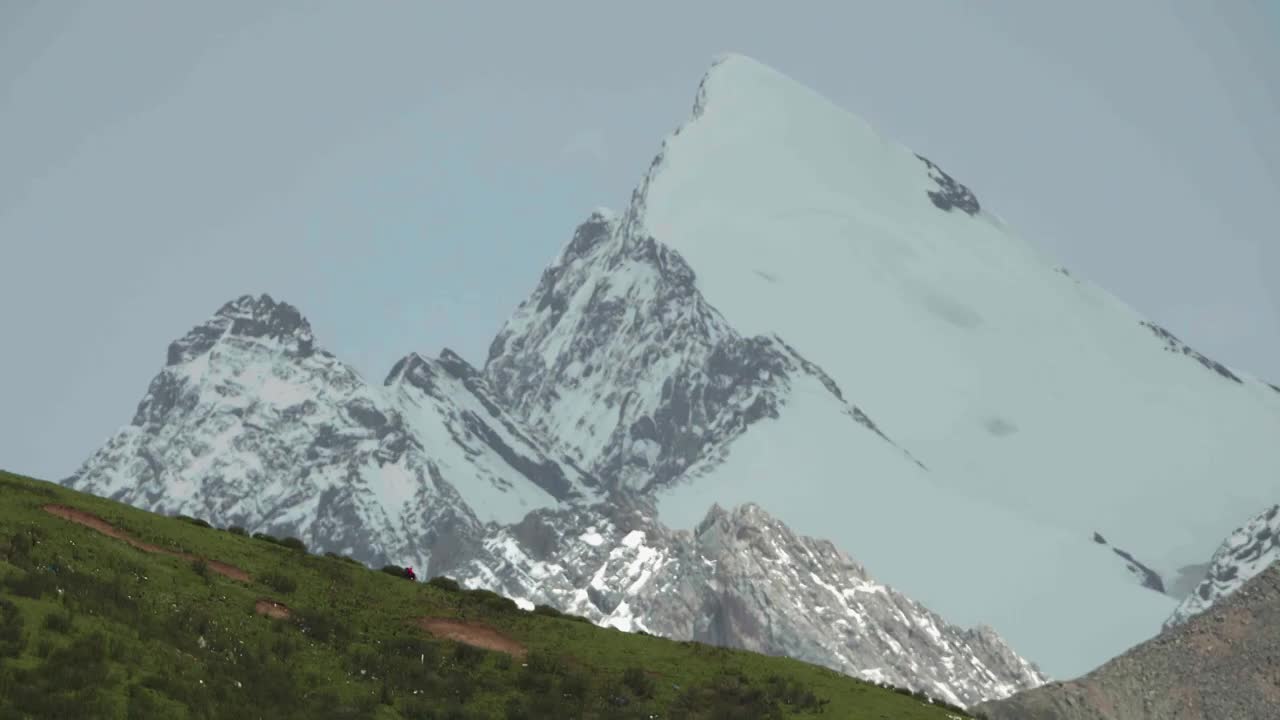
(402, 171)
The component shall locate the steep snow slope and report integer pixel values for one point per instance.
(743, 579)
(450, 411)
(1042, 408)
(1249, 550)
(1015, 382)
(251, 424)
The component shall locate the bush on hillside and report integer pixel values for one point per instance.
(638, 682)
(395, 570)
(490, 600)
(11, 639)
(59, 621)
(344, 558)
(444, 583)
(294, 543)
(278, 581)
(194, 521)
(266, 538)
(547, 610)
(237, 530)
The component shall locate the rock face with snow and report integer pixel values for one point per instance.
(251, 423)
(1219, 664)
(781, 268)
(1246, 552)
(792, 313)
(618, 356)
(743, 579)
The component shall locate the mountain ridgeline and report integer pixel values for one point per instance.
(798, 340)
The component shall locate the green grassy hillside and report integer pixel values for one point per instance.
(92, 626)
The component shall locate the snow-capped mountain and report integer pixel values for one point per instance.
(1248, 551)
(782, 268)
(791, 314)
(743, 579)
(251, 424)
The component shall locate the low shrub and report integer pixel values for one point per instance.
(11, 639)
(194, 521)
(638, 682)
(237, 530)
(266, 538)
(59, 621)
(445, 583)
(547, 610)
(278, 581)
(294, 543)
(490, 600)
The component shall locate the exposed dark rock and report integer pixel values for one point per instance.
(1150, 578)
(950, 194)
(1174, 345)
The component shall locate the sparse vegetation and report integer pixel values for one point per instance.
(92, 627)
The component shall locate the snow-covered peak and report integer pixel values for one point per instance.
(797, 220)
(251, 424)
(248, 317)
(780, 262)
(1248, 551)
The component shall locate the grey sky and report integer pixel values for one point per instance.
(403, 171)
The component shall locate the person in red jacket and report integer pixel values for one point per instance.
(409, 574)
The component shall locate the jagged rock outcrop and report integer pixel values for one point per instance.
(743, 579)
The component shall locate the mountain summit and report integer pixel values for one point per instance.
(782, 268)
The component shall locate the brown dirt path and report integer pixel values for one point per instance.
(272, 609)
(94, 522)
(472, 633)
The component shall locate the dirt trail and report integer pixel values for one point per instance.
(94, 522)
(472, 633)
(272, 609)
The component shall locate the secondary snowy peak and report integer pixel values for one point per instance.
(743, 579)
(248, 319)
(617, 356)
(251, 424)
(1249, 550)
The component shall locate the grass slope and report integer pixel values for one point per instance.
(92, 626)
